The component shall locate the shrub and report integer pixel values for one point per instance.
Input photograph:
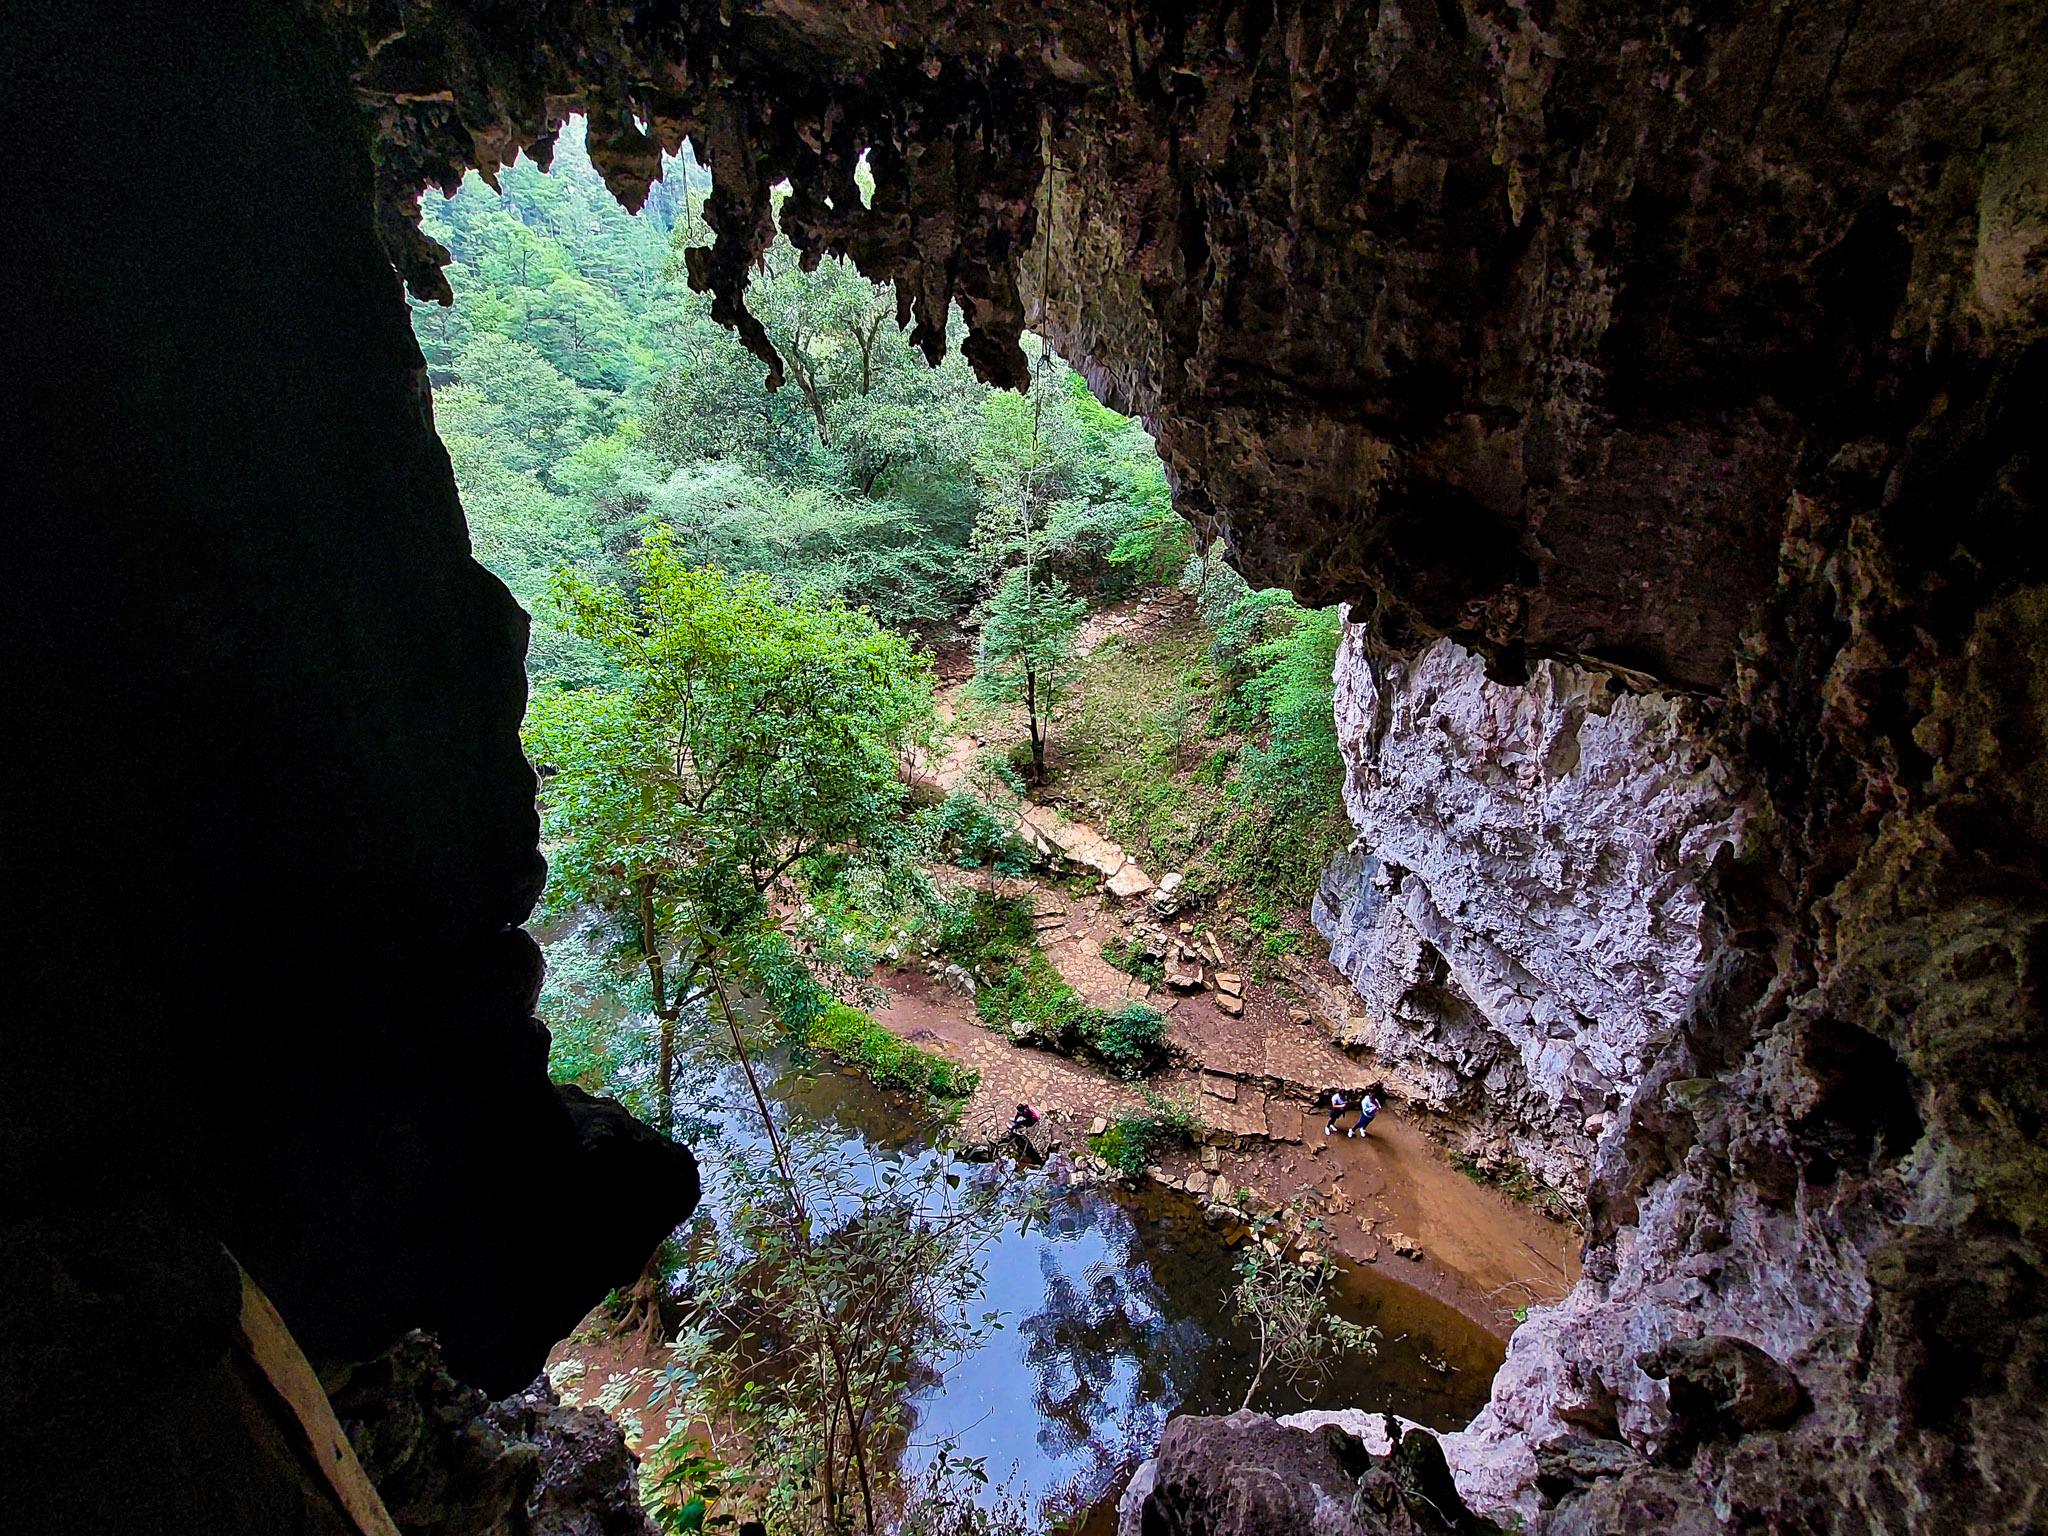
(963, 827)
(1138, 1138)
(1131, 1040)
(850, 1035)
(1035, 1007)
(984, 931)
(1272, 930)
(1128, 956)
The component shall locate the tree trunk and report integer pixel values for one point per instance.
(643, 1306)
(867, 355)
(668, 1074)
(807, 381)
(650, 949)
(1037, 728)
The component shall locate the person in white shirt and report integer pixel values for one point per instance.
(1368, 1106)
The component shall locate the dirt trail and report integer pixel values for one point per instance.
(1392, 1192)
(1252, 1067)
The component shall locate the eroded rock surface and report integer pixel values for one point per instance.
(1310, 1475)
(1524, 914)
(1524, 322)
(449, 1462)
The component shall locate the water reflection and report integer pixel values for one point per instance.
(1116, 1314)
(1112, 1308)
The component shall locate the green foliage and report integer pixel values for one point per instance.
(1027, 650)
(964, 829)
(1137, 1139)
(952, 1497)
(577, 360)
(1287, 1305)
(750, 731)
(1272, 932)
(1293, 779)
(1214, 749)
(852, 1036)
(1128, 956)
(1033, 1005)
(826, 1293)
(1030, 1002)
(747, 733)
(681, 1485)
(1131, 1040)
(584, 991)
(983, 931)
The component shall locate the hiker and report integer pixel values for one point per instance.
(1338, 1104)
(1023, 1120)
(1368, 1106)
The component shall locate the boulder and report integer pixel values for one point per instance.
(1249, 1475)
(589, 1482)
(1722, 1387)
(1128, 881)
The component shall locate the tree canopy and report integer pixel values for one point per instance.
(747, 732)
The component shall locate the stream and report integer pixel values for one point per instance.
(1116, 1314)
(1114, 1306)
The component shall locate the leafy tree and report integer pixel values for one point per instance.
(538, 412)
(1027, 651)
(1276, 661)
(832, 1293)
(747, 733)
(1294, 1332)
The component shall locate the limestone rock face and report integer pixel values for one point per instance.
(1523, 915)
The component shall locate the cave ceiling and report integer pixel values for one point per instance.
(1519, 323)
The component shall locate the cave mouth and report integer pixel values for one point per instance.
(1720, 334)
(610, 434)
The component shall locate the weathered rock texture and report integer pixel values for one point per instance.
(449, 1462)
(1524, 915)
(1311, 1475)
(1702, 341)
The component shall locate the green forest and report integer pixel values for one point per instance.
(591, 406)
(753, 613)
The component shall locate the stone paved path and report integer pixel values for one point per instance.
(925, 1009)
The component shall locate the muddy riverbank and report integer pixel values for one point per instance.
(1393, 1199)
(1111, 1311)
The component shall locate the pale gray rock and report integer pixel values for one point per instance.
(1522, 913)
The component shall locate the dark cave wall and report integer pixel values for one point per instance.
(270, 832)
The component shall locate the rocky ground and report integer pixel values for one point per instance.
(1251, 1065)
